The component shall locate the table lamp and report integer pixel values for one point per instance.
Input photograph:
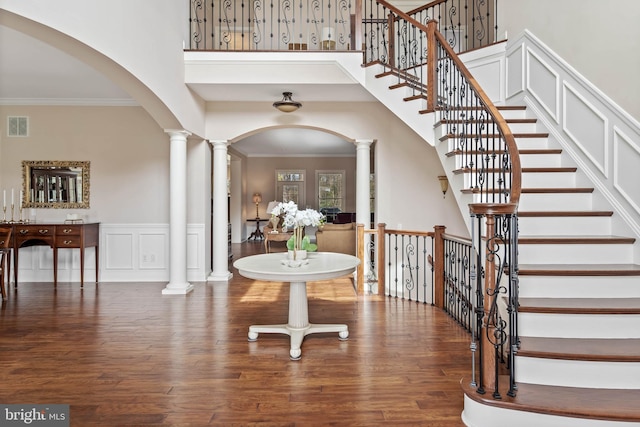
(257, 198)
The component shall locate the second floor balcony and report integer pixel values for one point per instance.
(369, 26)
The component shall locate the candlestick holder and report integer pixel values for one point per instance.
(4, 213)
(20, 209)
(12, 208)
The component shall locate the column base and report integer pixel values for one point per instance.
(178, 289)
(224, 276)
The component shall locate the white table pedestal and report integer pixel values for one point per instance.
(298, 326)
(321, 266)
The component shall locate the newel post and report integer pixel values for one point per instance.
(382, 278)
(432, 60)
(487, 347)
(360, 245)
(438, 265)
(391, 20)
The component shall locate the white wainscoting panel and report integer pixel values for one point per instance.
(543, 83)
(515, 71)
(626, 166)
(128, 253)
(595, 134)
(586, 126)
(488, 67)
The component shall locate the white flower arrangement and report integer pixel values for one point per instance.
(297, 219)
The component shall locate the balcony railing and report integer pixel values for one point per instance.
(475, 281)
(278, 25)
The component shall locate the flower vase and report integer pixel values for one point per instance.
(297, 254)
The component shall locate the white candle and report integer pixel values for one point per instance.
(21, 195)
(4, 198)
(12, 197)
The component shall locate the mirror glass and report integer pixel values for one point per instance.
(55, 184)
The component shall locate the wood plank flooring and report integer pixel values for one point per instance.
(122, 354)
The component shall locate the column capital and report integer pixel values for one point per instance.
(178, 132)
(219, 143)
(364, 143)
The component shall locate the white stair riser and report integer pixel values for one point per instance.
(532, 143)
(548, 179)
(523, 127)
(575, 253)
(526, 161)
(578, 373)
(579, 325)
(540, 160)
(528, 143)
(514, 114)
(564, 226)
(476, 415)
(579, 286)
(534, 180)
(555, 201)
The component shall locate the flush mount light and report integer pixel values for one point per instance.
(287, 105)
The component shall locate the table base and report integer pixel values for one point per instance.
(298, 326)
(298, 334)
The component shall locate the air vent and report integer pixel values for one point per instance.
(17, 126)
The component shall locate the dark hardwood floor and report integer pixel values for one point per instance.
(122, 354)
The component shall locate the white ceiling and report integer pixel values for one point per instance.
(35, 73)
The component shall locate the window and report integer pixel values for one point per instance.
(290, 186)
(331, 189)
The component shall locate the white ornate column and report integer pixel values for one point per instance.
(363, 170)
(220, 208)
(178, 284)
(363, 203)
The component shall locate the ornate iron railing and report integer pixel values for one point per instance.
(474, 281)
(465, 24)
(459, 292)
(258, 25)
(495, 275)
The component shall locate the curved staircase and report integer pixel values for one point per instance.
(579, 313)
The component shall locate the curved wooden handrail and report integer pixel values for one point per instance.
(503, 128)
(492, 111)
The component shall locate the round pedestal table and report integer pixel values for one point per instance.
(318, 266)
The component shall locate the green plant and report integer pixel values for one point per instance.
(305, 245)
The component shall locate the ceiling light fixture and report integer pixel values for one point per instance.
(287, 105)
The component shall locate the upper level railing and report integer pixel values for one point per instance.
(257, 25)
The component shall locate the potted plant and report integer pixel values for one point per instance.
(296, 219)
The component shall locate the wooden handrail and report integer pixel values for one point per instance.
(432, 36)
(426, 6)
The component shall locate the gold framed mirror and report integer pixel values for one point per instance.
(55, 184)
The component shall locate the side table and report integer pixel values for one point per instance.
(257, 234)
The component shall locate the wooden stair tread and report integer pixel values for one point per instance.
(496, 135)
(601, 404)
(557, 190)
(545, 151)
(536, 214)
(459, 121)
(575, 240)
(580, 305)
(524, 170)
(579, 270)
(587, 349)
(545, 170)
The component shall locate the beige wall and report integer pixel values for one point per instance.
(129, 157)
(599, 39)
(261, 178)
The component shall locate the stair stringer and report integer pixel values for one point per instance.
(407, 111)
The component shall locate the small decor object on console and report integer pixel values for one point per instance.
(298, 219)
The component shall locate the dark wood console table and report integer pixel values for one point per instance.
(57, 236)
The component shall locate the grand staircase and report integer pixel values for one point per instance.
(579, 308)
